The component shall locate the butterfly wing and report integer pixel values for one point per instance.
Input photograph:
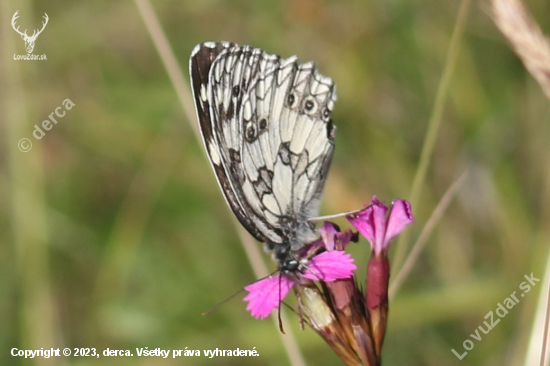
(266, 127)
(200, 64)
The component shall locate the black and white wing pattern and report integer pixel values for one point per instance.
(266, 126)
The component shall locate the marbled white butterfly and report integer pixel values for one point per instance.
(266, 126)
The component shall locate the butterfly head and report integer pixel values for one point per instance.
(289, 261)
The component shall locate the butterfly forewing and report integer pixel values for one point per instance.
(266, 127)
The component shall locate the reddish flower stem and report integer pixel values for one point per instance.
(378, 276)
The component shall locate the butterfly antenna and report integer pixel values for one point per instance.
(221, 303)
(279, 308)
(215, 307)
(327, 217)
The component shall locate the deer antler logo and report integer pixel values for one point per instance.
(29, 41)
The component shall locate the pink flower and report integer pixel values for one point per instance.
(267, 294)
(330, 266)
(379, 227)
(333, 238)
(264, 296)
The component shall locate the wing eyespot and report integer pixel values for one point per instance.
(291, 99)
(310, 106)
(250, 132)
(263, 124)
(236, 90)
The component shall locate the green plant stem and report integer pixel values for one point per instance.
(433, 125)
(35, 302)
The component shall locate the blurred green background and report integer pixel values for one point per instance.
(114, 232)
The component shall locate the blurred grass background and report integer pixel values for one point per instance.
(115, 234)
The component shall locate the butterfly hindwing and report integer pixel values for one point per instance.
(293, 140)
(266, 127)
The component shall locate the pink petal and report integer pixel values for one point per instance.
(363, 222)
(344, 238)
(328, 232)
(330, 266)
(400, 216)
(371, 223)
(379, 220)
(312, 248)
(264, 295)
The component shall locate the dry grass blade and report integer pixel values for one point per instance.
(528, 41)
(544, 354)
(533, 48)
(425, 234)
(37, 311)
(537, 348)
(168, 59)
(434, 123)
